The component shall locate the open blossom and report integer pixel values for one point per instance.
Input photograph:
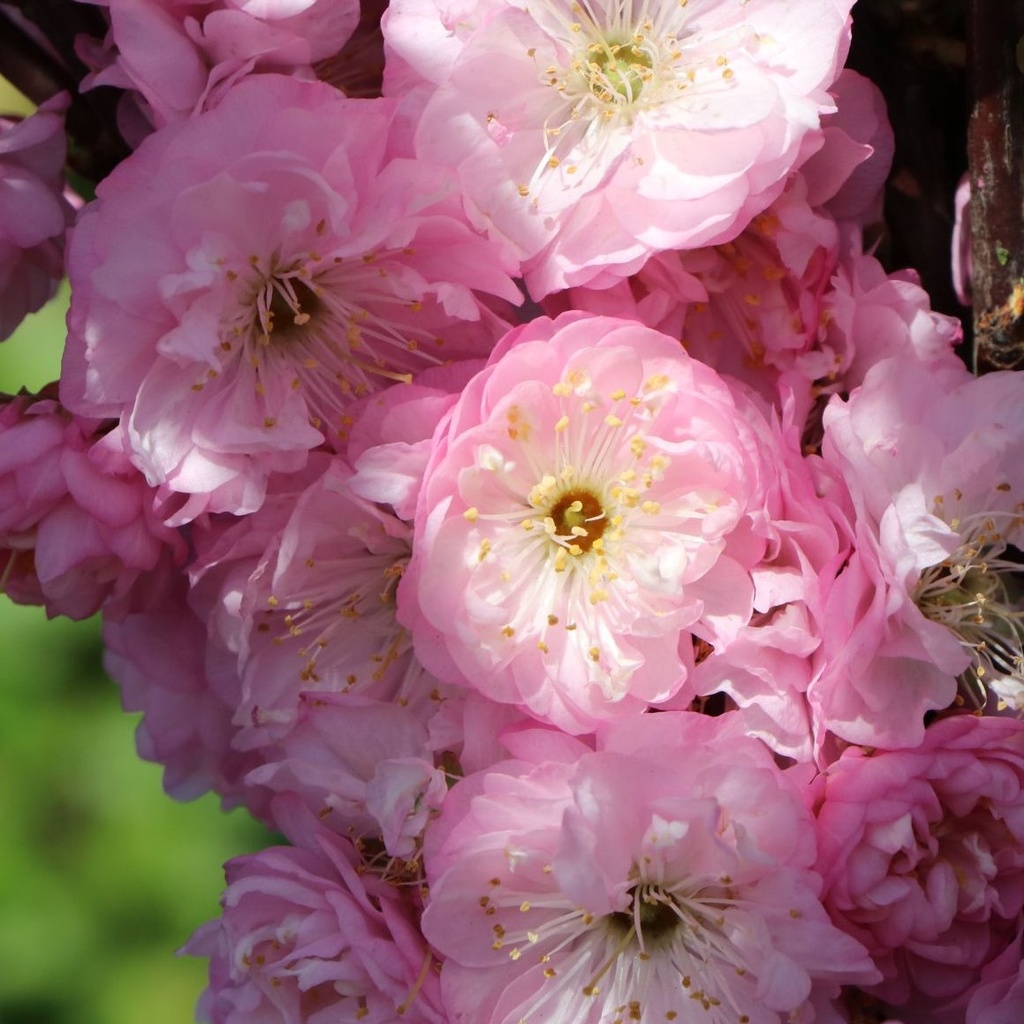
(927, 593)
(33, 212)
(306, 937)
(667, 876)
(179, 57)
(594, 497)
(922, 852)
(593, 134)
(313, 608)
(287, 271)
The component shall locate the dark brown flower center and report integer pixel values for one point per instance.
(579, 516)
(292, 306)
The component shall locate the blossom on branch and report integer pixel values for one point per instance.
(666, 876)
(595, 133)
(594, 497)
(287, 271)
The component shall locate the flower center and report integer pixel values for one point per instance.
(322, 616)
(332, 328)
(969, 594)
(616, 72)
(653, 916)
(292, 304)
(579, 517)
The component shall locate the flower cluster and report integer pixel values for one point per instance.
(523, 488)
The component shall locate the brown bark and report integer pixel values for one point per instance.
(995, 35)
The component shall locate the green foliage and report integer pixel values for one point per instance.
(102, 877)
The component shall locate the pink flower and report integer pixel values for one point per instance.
(595, 137)
(78, 522)
(303, 591)
(847, 175)
(999, 995)
(181, 57)
(187, 689)
(306, 937)
(666, 875)
(33, 212)
(922, 852)
(750, 307)
(595, 495)
(926, 595)
(232, 307)
(364, 767)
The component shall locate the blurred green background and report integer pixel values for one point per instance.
(102, 876)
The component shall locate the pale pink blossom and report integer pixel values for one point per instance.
(235, 667)
(78, 522)
(870, 315)
(669, 873)
(922, 853)
(595, 496)
(303, 592)
(307, 937)
(595, 136)
(933, 465)
(750, 307)
(846, 177)
(364, 767)
(33, 212)
(232, 308)
(179, 57)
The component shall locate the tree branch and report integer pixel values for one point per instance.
(995, 37)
